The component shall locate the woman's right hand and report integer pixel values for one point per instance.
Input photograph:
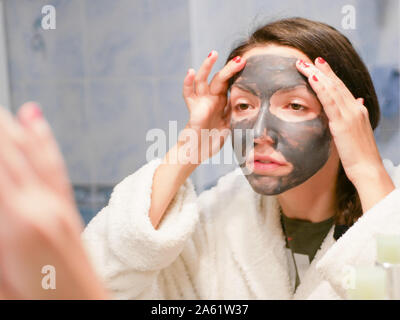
(208, 108)
(207, 104)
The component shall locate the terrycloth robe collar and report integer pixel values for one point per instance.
(258, 245)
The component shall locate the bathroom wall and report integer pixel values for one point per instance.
(109, 72)
(112, 70)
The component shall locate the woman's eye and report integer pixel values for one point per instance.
(243, 107)
(297, 107)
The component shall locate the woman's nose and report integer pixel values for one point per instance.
(263, 134)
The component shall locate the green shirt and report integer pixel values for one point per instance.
(303, 240)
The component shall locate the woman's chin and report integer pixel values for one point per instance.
(265, 185)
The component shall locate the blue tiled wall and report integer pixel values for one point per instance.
(113, 69)
(110, 71)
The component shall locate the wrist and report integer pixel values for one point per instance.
(372, 184)
(369, 175)
(188, 150)
(178, 157)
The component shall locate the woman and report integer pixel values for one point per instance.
(313, 195)
(314, 172)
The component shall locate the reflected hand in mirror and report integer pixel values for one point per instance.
(39, 222)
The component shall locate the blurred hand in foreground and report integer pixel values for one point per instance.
(39, 223)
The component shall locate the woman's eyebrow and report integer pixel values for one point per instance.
(291, 88)
(244, 87)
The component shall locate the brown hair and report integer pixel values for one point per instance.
(316, 39)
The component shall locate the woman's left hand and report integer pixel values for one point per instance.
(351, 131)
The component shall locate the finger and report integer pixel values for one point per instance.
(7, 182)
(347, 108)
(326, 91)
(7, 185)
(42, 150)
(361, 107)
(12, 160)
(201, 79)
(188, 84)
(219, 84)
(324, 66)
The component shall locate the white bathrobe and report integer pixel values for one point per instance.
(226, 243)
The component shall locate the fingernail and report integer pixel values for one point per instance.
(237, 59)
(30, 112)
(209, 55)
(362, 100)
(303, 63)
(35, 112)
(321, 60)
(314, 77)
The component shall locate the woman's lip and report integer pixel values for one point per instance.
(261, 167)
(266, 159)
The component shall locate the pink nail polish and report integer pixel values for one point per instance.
(305, 64)
(321, 60)
(362, 100)
(35, 113)
(237, 59)
(314, 77)
(209, 55)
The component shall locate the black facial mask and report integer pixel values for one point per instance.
(304, 144)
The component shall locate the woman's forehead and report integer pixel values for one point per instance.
(271, 62)
(266, 74)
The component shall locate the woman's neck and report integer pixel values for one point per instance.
(313, 200)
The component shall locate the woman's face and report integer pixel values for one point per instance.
(291, 140)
